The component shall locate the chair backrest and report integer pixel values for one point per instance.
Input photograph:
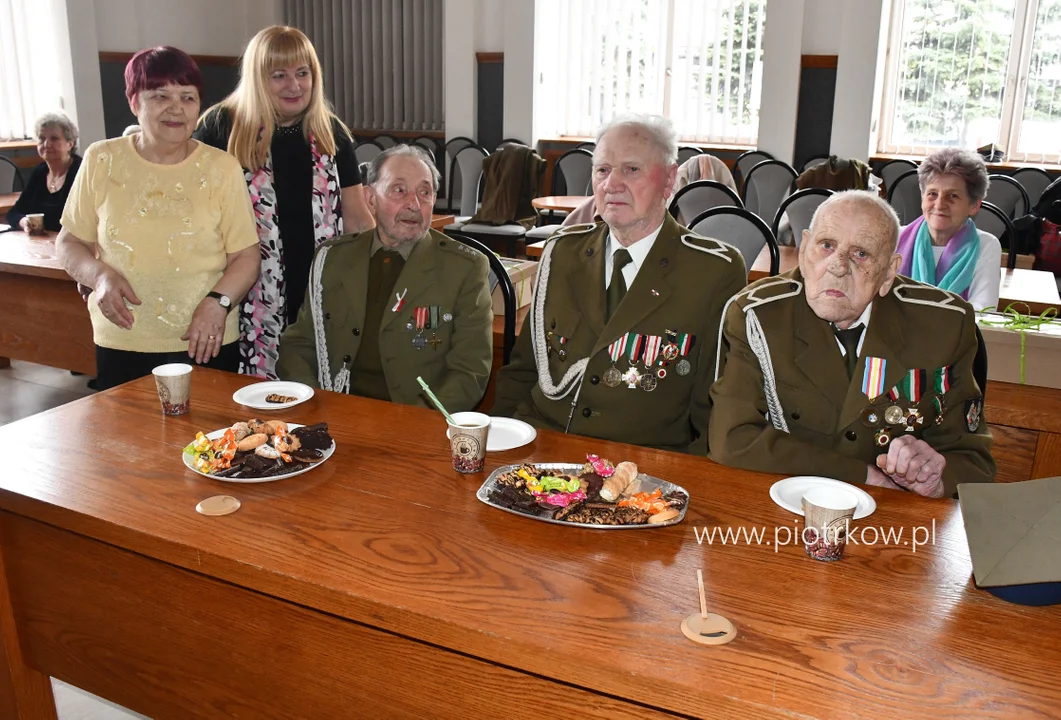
(1034, 181)
(363, 167)
(746, 162)
(498, 277)
(812, 161)
(464, 179)
(980, 363)
(575, 169)
(994, 220)
(696, 197)
(740, 228)
(429, 144)
(445, 163)
(591, 146)
(385, 141)
(1008, 195)
(10, 177)
(766, 185)
(686, 151)
(893, 170)
(800, 207)
(366, 150)
(904, 195)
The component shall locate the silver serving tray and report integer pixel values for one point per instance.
(648, 484)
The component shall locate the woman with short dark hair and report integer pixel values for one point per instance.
(49, 184)
(160, 227)
(943, 247)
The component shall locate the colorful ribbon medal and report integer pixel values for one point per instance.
(652, 348)
(670, 350)
(685, 344)
(401, 300)
(433, 326)
(420, 321)
(612, 376)
(873, 379)
(632, 376)
(941, 382)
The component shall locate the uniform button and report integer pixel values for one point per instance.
(594, 380)
(663, 262)
(795, 415)
(589, 252)
(851, 435)
(586, 412)
(346, 358)
(442, 243)
(356, 331)
(327, 316)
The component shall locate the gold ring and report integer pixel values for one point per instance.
(210, 337)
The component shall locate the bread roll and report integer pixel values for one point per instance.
(625, 473)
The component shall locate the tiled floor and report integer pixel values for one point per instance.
(27, 389)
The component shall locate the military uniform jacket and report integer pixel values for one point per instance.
(439, 272)
(832, 422)
(682, 287)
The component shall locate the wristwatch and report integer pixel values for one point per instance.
(222, 300)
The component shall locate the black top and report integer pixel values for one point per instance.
(293, 183)
(36, 198)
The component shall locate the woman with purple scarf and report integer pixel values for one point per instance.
(943, 246)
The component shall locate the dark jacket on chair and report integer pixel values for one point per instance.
(512, 178)
(836, 174)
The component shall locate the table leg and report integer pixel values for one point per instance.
(25, 693)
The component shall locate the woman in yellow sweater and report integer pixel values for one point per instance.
(160, 227)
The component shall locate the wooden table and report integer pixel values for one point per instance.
(566, 203)
(438, 222)
(1036, 288)
(534, 250)
(789, 256)
(7, 201)
(378, 582)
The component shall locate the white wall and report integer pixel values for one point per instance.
(520, 88)
(857, 79)
(459, 74)
(199, 27)
(822, 23)
(780, 95)
(489, 22)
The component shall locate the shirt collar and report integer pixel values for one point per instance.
(405, 249)
(863, 319)
(639, 250)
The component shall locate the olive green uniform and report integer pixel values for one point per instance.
(449, 280)
(679, 291)
(827, 424)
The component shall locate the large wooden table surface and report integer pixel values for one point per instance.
(7, 201)
(566, 203)
(378, 586)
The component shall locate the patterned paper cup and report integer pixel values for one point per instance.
(827, 512)
(467, 441)
(174, 383)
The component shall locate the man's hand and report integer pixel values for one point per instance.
(876, 478)
(913, 464)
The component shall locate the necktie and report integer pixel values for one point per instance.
(617, 286)
(849, 339)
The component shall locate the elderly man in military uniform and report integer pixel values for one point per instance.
(620, 339)
(396, 302)
(844, 369)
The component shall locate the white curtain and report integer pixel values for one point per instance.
(382, 59)
(29, 71)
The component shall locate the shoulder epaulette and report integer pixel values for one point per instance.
(767, 290)
(447, 244)
(564, 230)
(915, 293)
(710, 246)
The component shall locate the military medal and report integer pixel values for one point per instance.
(670, 350)
(633, 376)
(401, 301)
(434, 325)
(873, 377)
(913, 419)
(420, 320)
(883, 437)
(894, 415)
(562, 352)
(612, 376)
(685, 343)
(870, 417)
(941, 382)
(652, 347)
(941, 408)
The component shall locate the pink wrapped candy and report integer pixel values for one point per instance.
(600, 466)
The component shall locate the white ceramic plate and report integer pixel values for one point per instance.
(507, 434)
(253, 396)
(788, 493)
(189, 463)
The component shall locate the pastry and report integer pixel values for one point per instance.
(277, 398)
(625, 473)
(252, 441)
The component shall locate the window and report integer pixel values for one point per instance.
(29, 71)
(971, 73)
(698, 62)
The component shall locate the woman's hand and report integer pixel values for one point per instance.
(206, 331)
(24, 224)
(112, 292)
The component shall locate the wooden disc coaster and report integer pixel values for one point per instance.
(710, 630)
(218, 505)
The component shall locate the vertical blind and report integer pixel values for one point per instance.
(381, 59)
(29, 71)
(698, 62)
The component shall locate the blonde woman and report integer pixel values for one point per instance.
(299, 163)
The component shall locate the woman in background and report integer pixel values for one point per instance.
(159, 226)
(49, 184)
(304, 181)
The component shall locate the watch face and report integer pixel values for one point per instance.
(225, 302)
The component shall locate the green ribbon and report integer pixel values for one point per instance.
(1015, 320)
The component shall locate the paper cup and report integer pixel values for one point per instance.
(827, 513)
(174, 383)
(35, 223)
(467, 441)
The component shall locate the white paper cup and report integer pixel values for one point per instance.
(174, 384)
(467, 440)
(827, 512)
